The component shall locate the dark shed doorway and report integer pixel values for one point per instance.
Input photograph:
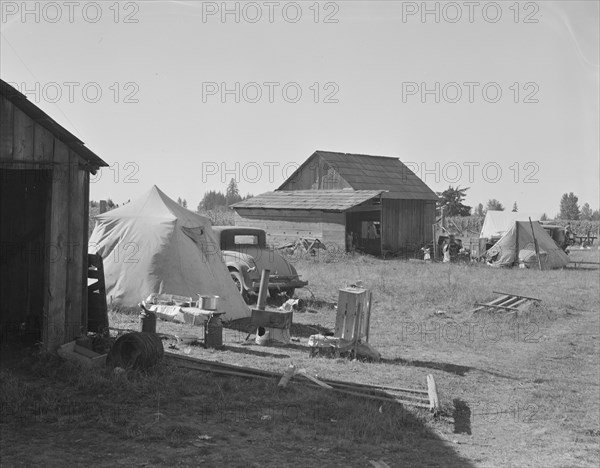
(365, 229)
(25, 252)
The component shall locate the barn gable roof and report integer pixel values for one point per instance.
(366, 172)
(326, 200)
(39, 116)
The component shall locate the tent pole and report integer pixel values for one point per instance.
(517, 243)
(535, 244)
(434, 243)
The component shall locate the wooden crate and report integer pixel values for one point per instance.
(353, 314)
(272, 318)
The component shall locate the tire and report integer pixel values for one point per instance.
(274, 293)
(289, 293)
(239, 283)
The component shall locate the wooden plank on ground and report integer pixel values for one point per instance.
(508, 302)
(516, 295)
(498, 306)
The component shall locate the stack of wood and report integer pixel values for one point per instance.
(304, 245)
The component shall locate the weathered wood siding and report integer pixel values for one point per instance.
(284, 227)
(406, 224)
(316, 175)
(25, 144)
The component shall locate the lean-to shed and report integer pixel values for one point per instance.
(44, 197)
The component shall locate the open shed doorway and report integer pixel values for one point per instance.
(25, 252)
(363, 230)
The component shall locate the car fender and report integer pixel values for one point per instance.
(241, 268)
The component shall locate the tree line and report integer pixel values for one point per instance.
(452, 200)
(215, 199)
(212, 200)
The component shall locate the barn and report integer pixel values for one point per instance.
(44, 197)
(373, 203)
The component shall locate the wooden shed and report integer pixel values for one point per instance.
(44, 199)
(372, 203)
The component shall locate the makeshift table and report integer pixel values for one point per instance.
(209, 320)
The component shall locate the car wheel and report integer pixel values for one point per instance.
(289, 293)
(239, 284)
(274, 293)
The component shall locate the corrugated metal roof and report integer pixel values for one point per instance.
(329, 200)
(365, 172)
(39, 116)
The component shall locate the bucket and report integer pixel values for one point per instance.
(136, 350)
(213, 336)
(207, 302)
(262, 336)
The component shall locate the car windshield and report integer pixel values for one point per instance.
(245, 239)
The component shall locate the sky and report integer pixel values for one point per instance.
(501, 97)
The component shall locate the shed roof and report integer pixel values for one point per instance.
(327, 200)
(39, 116)
(366, 172)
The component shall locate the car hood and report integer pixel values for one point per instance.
(263, 258)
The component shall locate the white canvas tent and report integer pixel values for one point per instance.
(154, 245)
(496, 223)
(517, 246)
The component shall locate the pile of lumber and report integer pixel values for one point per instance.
(304, 245)
(405, 396)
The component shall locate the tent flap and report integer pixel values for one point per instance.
(496, 223)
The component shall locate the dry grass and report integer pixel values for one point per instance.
(518, 390)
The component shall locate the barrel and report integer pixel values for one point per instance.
(213, 336)
(136, 350)
(147, 321)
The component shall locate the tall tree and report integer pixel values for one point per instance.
(515, 208)
(586, 212)
(494, 205)
(569, 208)
(184, 203)
(179, 202)
(544, 217)
(232, 195)
(479, 211)
(452, 201)
(212, 200)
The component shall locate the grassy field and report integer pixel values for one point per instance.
(518, 390)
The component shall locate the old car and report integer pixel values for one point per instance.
(246, 254)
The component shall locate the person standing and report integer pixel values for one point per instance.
(446, 251)
(450, 249)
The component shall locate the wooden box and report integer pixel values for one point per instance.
(353, 314)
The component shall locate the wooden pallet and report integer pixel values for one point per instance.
(510, 303)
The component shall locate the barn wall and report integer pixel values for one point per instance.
(316, 175)
(406, 224)
(285, 226)
(24, 144)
